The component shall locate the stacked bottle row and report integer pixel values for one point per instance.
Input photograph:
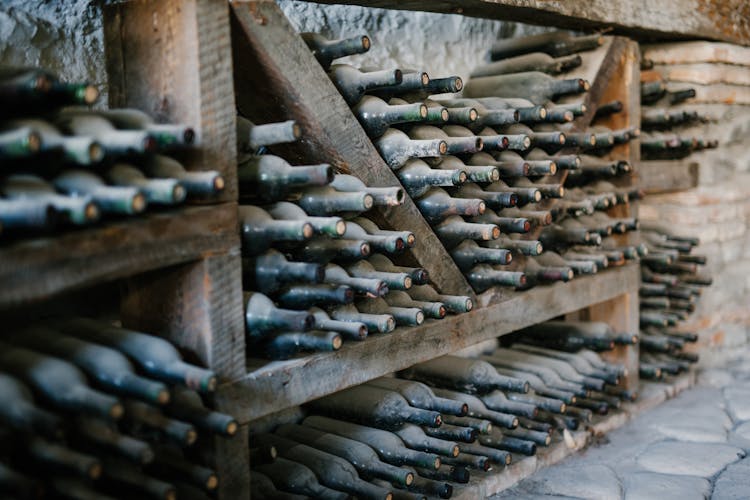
(92, 410)
(472, 165)
(663, 117)
(316, 270)
(66, 164)
(671, 286)
(424, 432)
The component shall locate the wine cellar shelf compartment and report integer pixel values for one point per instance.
(173, 59)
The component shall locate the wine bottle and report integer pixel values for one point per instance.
(509, 443)
(262, 487)
(397, 298)
(532, 167)
(405, 316)
(95, 435)
(370, 286)
(554, 43)
(483, 277)
(60, 459)
(389, 447)
(418, 177)
(455, 145)
(392, 243)
(271, 178)
(78, 210)
(478, 410)
(166, 135)
(544, 380)
(450, 473)
(406, 236)
(154, 356)
(172, 466)
(454, 303)
(18, 411)
(418, 275)
(59, 383)
(205, 183)
(532, 85)
(436, 205)
(376, 116)
(186, 405)
(147, 421)
(324, 250)
(294, 477)
(157, 191)
(325, 51)
(421, 396)
(331, 470)
(329, 226)
(382, 196)
(396, 148)
(352, 84)
(260, 230)
(284, 345)
(376, 323)
(361, 456)
(262, 317)
(495, 456)
(82, 122)
(494, 195)
(454, 230)
(352, 330)
(253, 138)
(563, 368)
(544, 269)
(468, 254)
(533, 61)
(568, 232)
(395, 281)
(306, 296)
(471, 461)
(448, 432)
(528, 112)
(120, 477)
(372, 405)
(497, 401)
(110, 199)
(107, 367)
(487, 116)
(463, 374)
(326, 201)
(270, 271)
(28, 136)
(416, 439)
(524, 247)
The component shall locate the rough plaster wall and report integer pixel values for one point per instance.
(62, 35)
(440, 44)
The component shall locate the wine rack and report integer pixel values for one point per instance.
(198, 62)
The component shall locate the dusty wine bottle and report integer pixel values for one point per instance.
(482, 277)
(382, 196)
(351, 330)
(166, 135)
(27, 136)
(262, 317)
(260, 230)
(82, 122)
(270, 271)
(405, 316)
(535, 86)
(144, 420)
(324, 250)
(376, 323)
(325, 51)
(107, 367)
(454, 303)
(19, 412)
(554, 43)
(467, 254)
(284, 345)
(325, 201)
(296, 478)
(376, 116)
(534, 61)
(330, 226)
(396, 148)
(158, 191)
(437, 204)
(156, 357)
(110, 199)
(463, 374)
(271, 178)
(453, 230)
(77, 210)
(352, 84)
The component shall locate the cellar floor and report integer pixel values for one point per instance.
(694, 446)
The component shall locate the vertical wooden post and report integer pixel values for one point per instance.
(173, 59)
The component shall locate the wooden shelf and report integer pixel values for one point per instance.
(642, 19)
(283, 384)
(37, 268)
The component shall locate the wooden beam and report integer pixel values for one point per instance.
(35, 269)
(696, 52)
(643, 19)
(271, 387)
(172, 59)
(277, 78)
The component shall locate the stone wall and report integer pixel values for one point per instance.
(718, 212)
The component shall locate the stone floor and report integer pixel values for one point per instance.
(691, 447)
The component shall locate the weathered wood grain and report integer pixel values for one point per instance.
(706, 73)
(277, 78)
(173, 60)
(727, 21)
(697, 52)
(36, 269)
(271, 387)
(661, 176)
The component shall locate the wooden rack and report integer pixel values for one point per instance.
(197, 62)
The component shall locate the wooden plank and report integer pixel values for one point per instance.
(683, 19)
(661, 176)
(172, 59)
(36, 269)
(696, 52)
(274, 386)
(705, 73)
(277, 78)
